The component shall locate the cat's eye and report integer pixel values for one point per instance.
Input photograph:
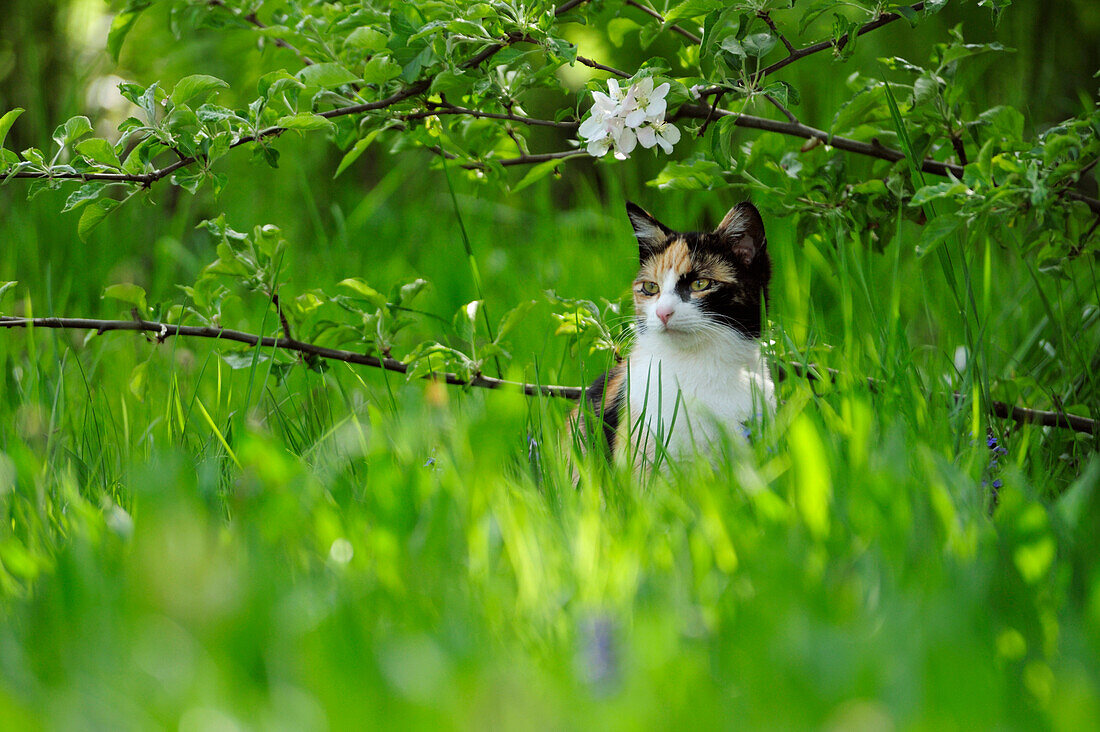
(700, 284)
(649, 288)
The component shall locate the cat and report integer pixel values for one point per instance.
(695, 369)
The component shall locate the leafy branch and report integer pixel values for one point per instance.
(162, 331)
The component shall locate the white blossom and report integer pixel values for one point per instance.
(620, 120)
(661, 133)
(649, 103)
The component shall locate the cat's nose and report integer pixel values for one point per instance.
(664, 312)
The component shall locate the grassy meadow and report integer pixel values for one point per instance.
(199, 542)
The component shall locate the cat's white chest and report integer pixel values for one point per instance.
(682, 396)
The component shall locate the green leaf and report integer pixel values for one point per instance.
(537, 173)
(693, 174)
(356, 150)
(409, 291)
(305, 122)
(617, 28)
(128, 293)
(814, 11)
(1006, 121)
(190, 182)
(6, 286)
(366, 39)
(946, 189)
(195, 85)
(87, 192)
(93, 216)
(326, 75)
(936, 232)
(373, 296)
(732, 45)
(266, 153)
(465, 320)
(139, 380)
(277, 82)
(72, 130)
(961, 51)
(512, 318)
(904, 11)
(435, 358)
(121, 25)
(7, 121)
(99, 151)
(692, 9)
(380, 69)
(783, 93)
(759, 45)
(451, 82)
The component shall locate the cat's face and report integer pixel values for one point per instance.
(695, 284)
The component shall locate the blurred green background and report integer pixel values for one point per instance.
(336, 549)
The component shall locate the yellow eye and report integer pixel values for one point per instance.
(699, 285)
(649, 288)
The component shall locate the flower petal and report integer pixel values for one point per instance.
(660, 91)
(656, 108)
(635, 118)
(647, 136)
(589, 127)
(670, 133)
(598, 148)
(627, 140)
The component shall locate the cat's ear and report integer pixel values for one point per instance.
(651, 233)
(742, 230)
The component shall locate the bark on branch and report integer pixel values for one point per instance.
(163, 331)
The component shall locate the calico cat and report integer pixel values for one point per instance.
(695, 368)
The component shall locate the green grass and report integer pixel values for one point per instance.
(373, 549)
(217, 547)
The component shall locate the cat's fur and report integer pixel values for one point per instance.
(695, 369)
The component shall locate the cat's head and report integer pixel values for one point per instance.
(699, 283)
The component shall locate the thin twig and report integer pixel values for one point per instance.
(767, 18)
(254, 20)
(282, 316)
(163, 331)
(528, 159)
(710, 115)
(596, 65)
(874, 150)
(1046, 418)
(661, 19)
(795, 129)
(779, 105)
(802, 53)
(436, 109)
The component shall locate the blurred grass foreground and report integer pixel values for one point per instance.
(198, 537)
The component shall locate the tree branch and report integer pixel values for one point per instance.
(801, 53)
(767, 18)
(661, 19)
(436, 109)
(1046, 418)
(148, 178)
(596, 65)
(779, 105)
(871, 149)
(254, 20)
(163, 331)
